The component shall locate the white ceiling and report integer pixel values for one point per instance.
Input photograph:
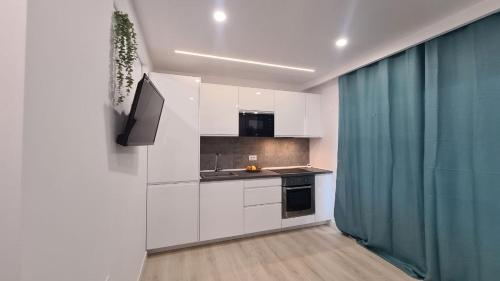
(290, 32)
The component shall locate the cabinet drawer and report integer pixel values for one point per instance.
(297, 221)
(262, 182)
(262, 195)
(262, 218)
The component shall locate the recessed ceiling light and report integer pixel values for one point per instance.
(341, 42)
(197, 80)
(258, 93)
(220, 16)
(243, 61)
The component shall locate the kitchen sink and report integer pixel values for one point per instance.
(217, 174)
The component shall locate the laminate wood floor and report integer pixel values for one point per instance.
(317, 253)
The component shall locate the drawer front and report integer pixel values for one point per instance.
(262, 182)
(262, 218)
(262, 195)
(297, 221)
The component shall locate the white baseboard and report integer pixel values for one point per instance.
(143, 266)
(202, 243)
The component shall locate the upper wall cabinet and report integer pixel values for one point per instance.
(313, 116)
(175, 154)
(253, 99)
(289, 114)
(218, 110)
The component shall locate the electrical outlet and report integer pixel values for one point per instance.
(252, 157)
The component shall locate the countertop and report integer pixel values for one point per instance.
(264, 173)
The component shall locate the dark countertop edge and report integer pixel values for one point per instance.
(233, 178)
(311, 171)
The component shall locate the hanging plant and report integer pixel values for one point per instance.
(125, 54)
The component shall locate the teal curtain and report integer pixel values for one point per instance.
(462, 153)
(379, 197)
(419, 156)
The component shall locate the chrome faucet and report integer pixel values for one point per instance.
(217, 155)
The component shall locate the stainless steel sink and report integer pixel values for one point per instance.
(217, 174)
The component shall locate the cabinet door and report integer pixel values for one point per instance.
(253, 99)
(290, 112)
(172, 215)
(313, 115)
(262, 218)
(221, 209)
(324, 196)
(218, 110)
(175, 154)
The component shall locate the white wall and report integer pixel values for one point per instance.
(12, 32)
(323, 152)
(84, 196)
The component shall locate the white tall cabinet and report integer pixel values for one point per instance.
(290, 112)
(173, 165)
(175, 155)
(218, 110)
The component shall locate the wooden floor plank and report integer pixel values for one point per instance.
(319, 253)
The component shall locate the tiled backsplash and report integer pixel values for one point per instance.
(271, 152)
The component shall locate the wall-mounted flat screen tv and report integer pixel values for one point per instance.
(144, 117)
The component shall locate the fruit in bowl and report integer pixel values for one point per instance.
(252, 169)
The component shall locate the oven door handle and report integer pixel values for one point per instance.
(299, 187)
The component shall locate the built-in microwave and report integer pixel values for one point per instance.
(256, 124)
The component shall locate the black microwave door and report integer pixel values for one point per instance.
(256, 125)
(243, 127)
(268, 129)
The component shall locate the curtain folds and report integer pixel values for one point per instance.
(419, 156)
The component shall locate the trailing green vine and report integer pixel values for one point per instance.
(125, 54)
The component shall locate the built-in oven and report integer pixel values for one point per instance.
(298, 196)
(256, 124)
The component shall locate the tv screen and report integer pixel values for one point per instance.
(144, 116)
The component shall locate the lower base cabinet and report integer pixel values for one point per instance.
(324, 197)
(262, 218)
(172, 215)
(221, 209)
(185, 213)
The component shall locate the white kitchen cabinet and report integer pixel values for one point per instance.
(219, 110)
(172, 215)
(262, 195)
(289, 114)
(252, 99)
(298, 221)
(324, 196)
(262, 218)
(221, 209)
(263, 182)
(175, 155)
(313, 125)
